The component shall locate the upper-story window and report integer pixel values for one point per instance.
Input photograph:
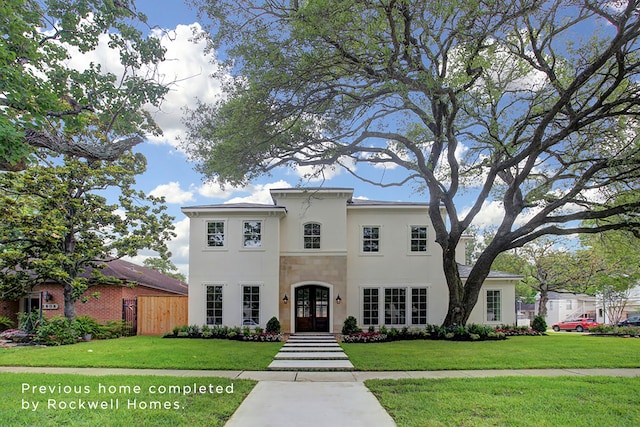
(252, 234)
(370, 239)
(215, 234)
(312, 235)
(418, 238)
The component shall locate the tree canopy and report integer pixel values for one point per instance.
(45, 100)
(57, 226)
(529, 104)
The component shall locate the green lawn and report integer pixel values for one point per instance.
(59, 400)
(528, 401)
(562, 350)
(148, 352)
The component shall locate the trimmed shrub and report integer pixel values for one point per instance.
(350, 326)
(273, 325)
(539, 324)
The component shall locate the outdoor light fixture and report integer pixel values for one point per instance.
(285, 299)
(47, 296)
(338, 299)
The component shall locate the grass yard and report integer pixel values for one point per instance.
(148, 352)
(562, 350)
(528, 401)
(59, 400)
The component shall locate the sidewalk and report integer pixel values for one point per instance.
(342, 377)
(318, 399)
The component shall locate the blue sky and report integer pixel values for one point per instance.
(171, 174)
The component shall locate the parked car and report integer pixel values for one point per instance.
(633, 320)
(249, 322)
(578, 325)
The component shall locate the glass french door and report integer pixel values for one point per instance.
(312, 309)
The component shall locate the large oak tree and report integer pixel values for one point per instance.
(96, 111)
(530, 104)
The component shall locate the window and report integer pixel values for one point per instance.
(395, 306)
(215, 234)
(312, 235)
(418, 238)
(214, 305)
(370, 306)
(251, 305)
(252, 234)
(493, 306)
(569, 304)
(370, 239)
(419, 306)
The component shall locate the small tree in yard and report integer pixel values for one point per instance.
(530, 106)
(56, 225)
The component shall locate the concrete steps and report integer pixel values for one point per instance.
(311, 352)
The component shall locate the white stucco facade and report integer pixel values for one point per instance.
(333, 257)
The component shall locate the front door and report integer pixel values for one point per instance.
(312, 309)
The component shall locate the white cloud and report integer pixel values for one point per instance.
(214, 190)
(172, 193)
(260, 193)
(190, 67)
(187, 71)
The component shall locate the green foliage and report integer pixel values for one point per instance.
(350, 326)
(273, 325)
(57, 331)
(5, 323)
(449, 91)
(539, 324)
(47, 103)
(84, 325)
(57, 225)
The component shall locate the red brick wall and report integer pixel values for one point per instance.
(10, 310)
(108, 306)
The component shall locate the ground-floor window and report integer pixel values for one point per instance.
(214, 305)
(250, 305)
(395, 306)
(370, 303)
(494, 310)
(419, 306)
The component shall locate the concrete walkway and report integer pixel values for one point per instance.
(349, 377)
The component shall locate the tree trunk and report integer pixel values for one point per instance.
(69, 303)
(542, 304)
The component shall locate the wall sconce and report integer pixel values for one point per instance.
(285, 299)
(338, 299)
(47, 296)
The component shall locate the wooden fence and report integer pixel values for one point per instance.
(160, 314)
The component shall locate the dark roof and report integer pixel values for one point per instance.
(148, 277)
(235, 206)
(493, 274)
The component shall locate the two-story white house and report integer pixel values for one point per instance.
(316, 256)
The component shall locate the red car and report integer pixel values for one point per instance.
(578, 325)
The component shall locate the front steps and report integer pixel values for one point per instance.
(311, 352)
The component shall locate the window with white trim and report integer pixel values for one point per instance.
(395, 306)
(215, 234)
(370, 304)
(250, 305)
(419, 306)
(418, 238)
(370, 239)
(252, 234)
(494, 303)
(312, 235)
(214, 305)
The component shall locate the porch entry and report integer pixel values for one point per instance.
(312, 309)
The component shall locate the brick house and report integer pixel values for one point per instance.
(316, 256)
(137, 281)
